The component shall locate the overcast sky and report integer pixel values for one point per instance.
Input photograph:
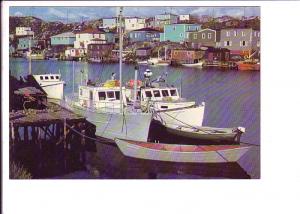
(73, 14)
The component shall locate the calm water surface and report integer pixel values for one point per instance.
(232, 97)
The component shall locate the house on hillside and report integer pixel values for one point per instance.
(134, 23)
(143, 53)
(24, 31)
(240, 41)
(25, 41)
(181, 56)
(109, 22)
(204, 37)
(83, 38)
(99, 50)
(144, 35)
(178, 32)
(165, 19)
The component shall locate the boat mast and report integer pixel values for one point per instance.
(29, 55)
(120, 56)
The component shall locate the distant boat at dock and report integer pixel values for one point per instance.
(248, 65)
(35, 56)
(182, 153)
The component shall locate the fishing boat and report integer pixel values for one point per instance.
(182, 153)
(159, 61)
(208, 133)
(194, 64)
(248, 65)
(168, 106)
(35, 56)
(52, 84)
(105, 106)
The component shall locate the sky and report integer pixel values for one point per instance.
(74, 14)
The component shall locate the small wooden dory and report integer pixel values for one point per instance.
(207, 133)
(182, 153)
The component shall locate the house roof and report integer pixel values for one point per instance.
(91, 31)
(66, 34)
(148, 29)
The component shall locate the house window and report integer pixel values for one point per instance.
(57, 77)
(41, 77)
(80, 92)
(243, 33)
(52, 77)
(195, 35)
(46, 77)
(203, 35)
(174, 27)
(243, 43)
(227, 33)
(181, 35)
(235, 33)
(209, 35)
(226, 43)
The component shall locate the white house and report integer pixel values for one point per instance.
(84, 38)
(75, 52)
(134, 23)
(184, 17)
(24, 31)
(109, 22)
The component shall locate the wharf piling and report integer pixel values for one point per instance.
(49, 142)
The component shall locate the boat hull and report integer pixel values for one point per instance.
(248, 67)
(199, 64)
(192, 116)
(54, 91)
(112, 124)
(182, 153)
(207, 133)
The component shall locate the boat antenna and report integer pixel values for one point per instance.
(29, 55)
(120, 55)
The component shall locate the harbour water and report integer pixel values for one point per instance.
(232, 97)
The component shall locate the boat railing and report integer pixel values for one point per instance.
(107, 106)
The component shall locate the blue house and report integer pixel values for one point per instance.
(23, 43)
(144, 35)
(178, 32)
(66, 39)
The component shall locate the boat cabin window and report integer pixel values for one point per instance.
(138, 96)
(91, 95)
(173, 92)
(148, 93)
(156, 93)
(110, 94)
(117, 93)
(41, 77)
(57, 77)
(165, 93)
(46, 77)
(164, 107)
(52, 77)
(102, 95)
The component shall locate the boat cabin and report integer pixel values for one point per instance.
(100, 97)
(48, 77)
(159, 94)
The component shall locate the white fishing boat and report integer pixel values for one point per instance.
(207, 133)
(105, 106)
(182, 153)
(35, 56)
(159, 61)
(169, 107)
(52, 84)
(194, 64)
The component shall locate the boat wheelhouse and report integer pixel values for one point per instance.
(52, 84)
